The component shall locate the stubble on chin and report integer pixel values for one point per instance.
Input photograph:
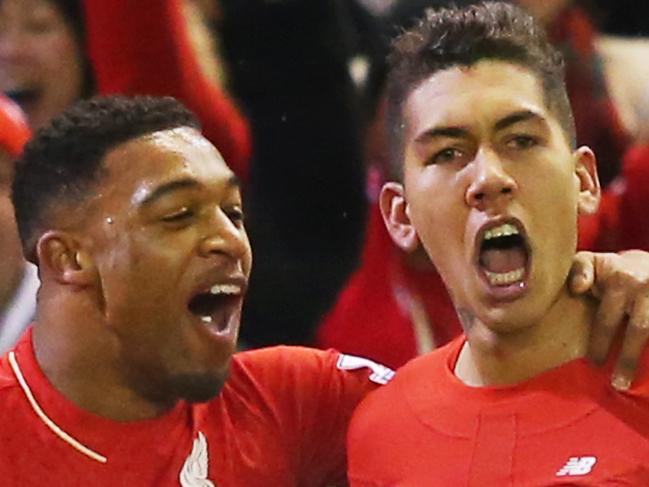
(197, 388)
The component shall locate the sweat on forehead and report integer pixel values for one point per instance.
(64, 159)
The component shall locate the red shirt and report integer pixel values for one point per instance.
(564, 427)
(279, 421)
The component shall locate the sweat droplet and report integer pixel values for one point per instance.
(109, 220)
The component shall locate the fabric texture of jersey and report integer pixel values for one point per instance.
(280, 421)
(565, 427)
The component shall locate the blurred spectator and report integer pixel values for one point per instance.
(18, 280)
(41, 62)
(55, 51)
(597, 119)
(627, 73)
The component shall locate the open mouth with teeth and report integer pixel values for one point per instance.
(215, 306)
(504, 255)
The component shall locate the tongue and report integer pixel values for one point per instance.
(503, 260)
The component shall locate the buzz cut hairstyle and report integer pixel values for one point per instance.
(450, 37)
(64, 160)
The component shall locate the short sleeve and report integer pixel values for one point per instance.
(314, 394)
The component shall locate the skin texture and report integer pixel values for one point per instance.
(39, 52)
(122, 268)
(478, 158)
(12, 264)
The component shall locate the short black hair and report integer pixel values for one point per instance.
(63, 160)
(449, 37)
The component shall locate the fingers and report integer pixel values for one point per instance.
(582, 273)
(634, 344)
(608, 319)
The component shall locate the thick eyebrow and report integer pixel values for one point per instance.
(453, 132)
(164, 189)
(517, 117)
(176, 185)
(461, 132)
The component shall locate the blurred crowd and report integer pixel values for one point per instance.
(291, 93)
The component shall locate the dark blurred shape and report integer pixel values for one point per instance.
(289, 67)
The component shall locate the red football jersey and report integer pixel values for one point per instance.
(280, 421)
(564, 427)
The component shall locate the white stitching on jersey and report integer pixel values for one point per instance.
(48, 422)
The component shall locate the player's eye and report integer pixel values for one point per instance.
(180, 215)
(522, 142)
(235, 214)
(446, 155)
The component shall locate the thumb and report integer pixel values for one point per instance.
(582, 273)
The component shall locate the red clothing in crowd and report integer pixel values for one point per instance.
(622, 221)
(143, 48)
(280, 421)
(597, 120)
(564, 427)
(389, 311)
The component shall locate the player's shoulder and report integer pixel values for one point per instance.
(280, 361)
(421, 368)
(411, 378)
(282, 353)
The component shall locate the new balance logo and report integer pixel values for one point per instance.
(576, 466)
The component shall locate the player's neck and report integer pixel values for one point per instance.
(491, 359)
(81, 360)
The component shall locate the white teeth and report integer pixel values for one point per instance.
(225, 289)
(505, 278)
(501, 231)
(206, 319)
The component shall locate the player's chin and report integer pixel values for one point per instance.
(199, 387)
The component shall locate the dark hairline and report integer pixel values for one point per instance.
(398, 122)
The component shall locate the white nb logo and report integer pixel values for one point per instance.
(194, 472)
(576, 466)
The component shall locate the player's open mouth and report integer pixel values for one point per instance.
(216, 306)
(504, 254)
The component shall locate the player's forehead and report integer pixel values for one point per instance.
(139, 166)
(465, 95)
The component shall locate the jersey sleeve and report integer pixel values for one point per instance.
(315, 393)
(143, 48)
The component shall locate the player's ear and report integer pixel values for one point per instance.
(396, 216)
(589, 188)
(62, 256)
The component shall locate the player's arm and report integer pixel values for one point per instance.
(621, 282)
(316, 393)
